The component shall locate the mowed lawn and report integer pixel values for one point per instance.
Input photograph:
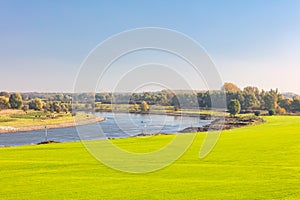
(257, 162)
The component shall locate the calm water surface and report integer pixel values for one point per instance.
(116, 125)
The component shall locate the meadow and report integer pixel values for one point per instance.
(255, 162)
(18, 118)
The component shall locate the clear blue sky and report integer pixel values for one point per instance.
(254, 42)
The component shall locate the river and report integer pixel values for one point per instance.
(116, 125)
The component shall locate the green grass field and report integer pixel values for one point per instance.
(257, 162)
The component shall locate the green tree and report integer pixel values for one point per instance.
(25, 108)
(296, 104)
(252, 97)
(65, 108)
(38, 104)
(286, 103)
(136, 107)
(270, 100)
(56, 106)
(250, 101)
(4, 103)
(204, 99)
(4, 94)
(47, 107)
(272, 112)
(15, 101)
(234, 107)
(144, 106)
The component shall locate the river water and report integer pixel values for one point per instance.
(116, 125)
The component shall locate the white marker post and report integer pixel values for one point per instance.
(46, 134)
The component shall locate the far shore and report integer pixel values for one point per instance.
(179, 114)
(11, 129)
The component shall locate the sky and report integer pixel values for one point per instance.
(44, 43)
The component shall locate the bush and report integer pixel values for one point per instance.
(257, 113)
(176, 108)
(271, 112)
(280, 111)
(74, 113)
(234, 107)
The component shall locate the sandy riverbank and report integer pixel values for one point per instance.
(11, 129)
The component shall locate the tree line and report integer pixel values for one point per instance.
(16, 101)
(250, 99)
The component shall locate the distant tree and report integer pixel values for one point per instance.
(15, 101)
(56, 107)
(270, 100)
(241, 99)
(204, 99)
(147, 96)
(174, 101)
(250, 101)
(144, 106)
(4, 94)
(25, 97)
(271, 112)
(25, 108)
(296, 104)
(176, 108)
(47, 107)
(280, 111)
(252, 97)
(52, 106)
(136, 107)
(257, 113)
(163, 99)
(235, 95)
(87, 106)
(286, 103)
(230, 87)
(4, 103)
(38, 104)
(234, 107)
(65, 108)
(251, 90)
(70, 108)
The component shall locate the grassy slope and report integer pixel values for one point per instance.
(259, 162)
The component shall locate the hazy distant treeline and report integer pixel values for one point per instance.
(250, 99)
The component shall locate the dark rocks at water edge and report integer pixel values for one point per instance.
(47, 142)
(147, 134)
(226, 124)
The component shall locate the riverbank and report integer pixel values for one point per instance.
(204, 115)
(226, 124)
(18, 121)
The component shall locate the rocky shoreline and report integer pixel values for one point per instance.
(226, 124)
(218, 124)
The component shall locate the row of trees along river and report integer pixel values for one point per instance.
(250, 99)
